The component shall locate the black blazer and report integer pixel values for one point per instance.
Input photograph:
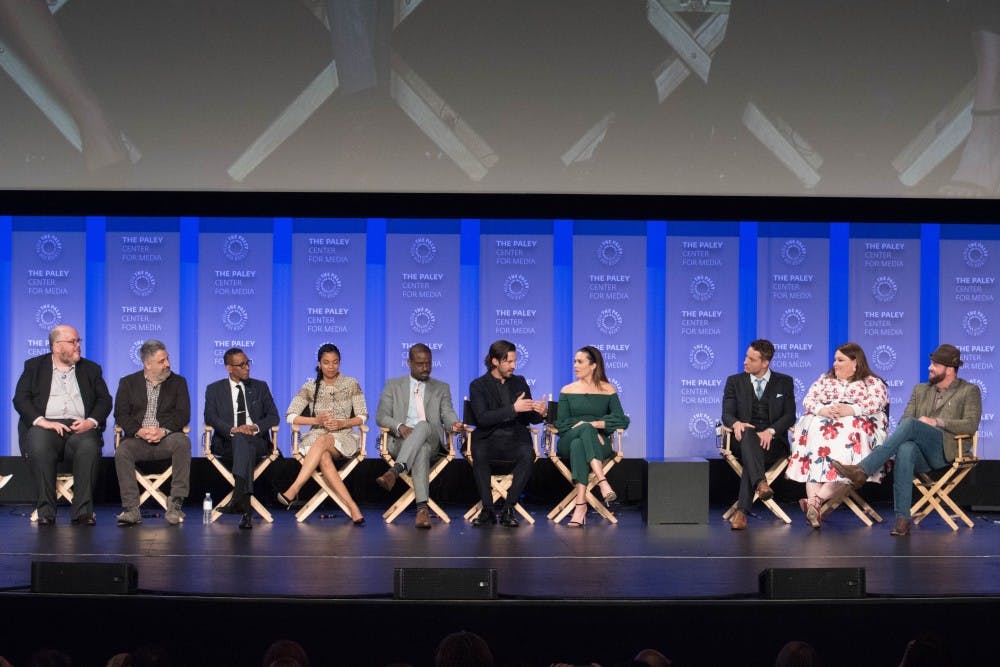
(219, 409)
(489, 413)
(31, 395)
(173, 409)
(779, 394)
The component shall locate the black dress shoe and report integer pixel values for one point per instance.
(235, 506)
(509, 519)
(484, 518)
(46, 521)
(85, 520)
(245, 522)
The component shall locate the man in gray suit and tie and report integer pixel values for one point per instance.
(418, 413)
(938, 410)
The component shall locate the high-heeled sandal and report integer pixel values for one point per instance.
(578, 524)
(610, 496)
(285, 502)
(358, 522)
(814, 516)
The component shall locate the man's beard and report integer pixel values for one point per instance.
(934, 379)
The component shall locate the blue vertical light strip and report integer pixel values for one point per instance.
(840, 270)
(468, 334)
(189, 228)
(656, 335)
(281, 313)
(749, 232)
(96, 292)
(930, 289)
(375, 313)
(562, 304)
(6, 344)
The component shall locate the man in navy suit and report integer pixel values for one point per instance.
(63, 403)
(241, 411)
(759, 405)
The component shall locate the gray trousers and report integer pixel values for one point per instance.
(417, 451)
(176, 447)
(45, 448)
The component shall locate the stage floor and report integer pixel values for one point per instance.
(331, 558)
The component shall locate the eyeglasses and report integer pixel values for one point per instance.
(245, 364)
(71, 341)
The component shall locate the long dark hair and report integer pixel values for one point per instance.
(499, 351)
(600, 376)
(325, 348)
(854, 352)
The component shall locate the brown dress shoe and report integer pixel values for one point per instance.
(902, 527)
(738, 521)
(764, 491)
(387, 480)
(856, 474)
(423, 518)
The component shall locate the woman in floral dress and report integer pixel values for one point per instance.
(845, 418)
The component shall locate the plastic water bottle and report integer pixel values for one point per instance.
(206, 509)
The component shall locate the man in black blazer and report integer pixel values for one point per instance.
(241, 413)
(502, 410)
(63, 403)
(759, 405)
(152, 406)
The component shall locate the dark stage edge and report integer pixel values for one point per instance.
(599, 594)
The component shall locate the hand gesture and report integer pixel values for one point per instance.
(523, 404)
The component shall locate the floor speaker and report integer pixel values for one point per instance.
(89, 578)
(439, 583)
(815, 583)
(676, 491)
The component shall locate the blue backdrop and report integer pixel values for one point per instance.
(673, 304)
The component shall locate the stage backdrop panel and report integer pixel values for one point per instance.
(235, 277)
(609, 312)
(328, 303)
(515, 297)
(421, 298)
(884, 306)
(48, 287)
(970, 315)
(793, 274)
(702, 334)
(143, 297)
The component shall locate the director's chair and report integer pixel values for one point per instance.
(936, 491)
(324, 490)
(500, 483)
(151, 483)
(409, 496)
(565, 505)
(228, 475)
(771, 474)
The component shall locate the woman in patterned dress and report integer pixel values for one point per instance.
(845, 418)
(335, 405)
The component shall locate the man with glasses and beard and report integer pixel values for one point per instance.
(63, 403)
(938, 409)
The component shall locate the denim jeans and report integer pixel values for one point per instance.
(918, 447)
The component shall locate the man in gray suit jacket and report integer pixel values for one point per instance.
(938, 409)
(418, 413)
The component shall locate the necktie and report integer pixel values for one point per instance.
(419, 398)
(241, 406)
(760, 387)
